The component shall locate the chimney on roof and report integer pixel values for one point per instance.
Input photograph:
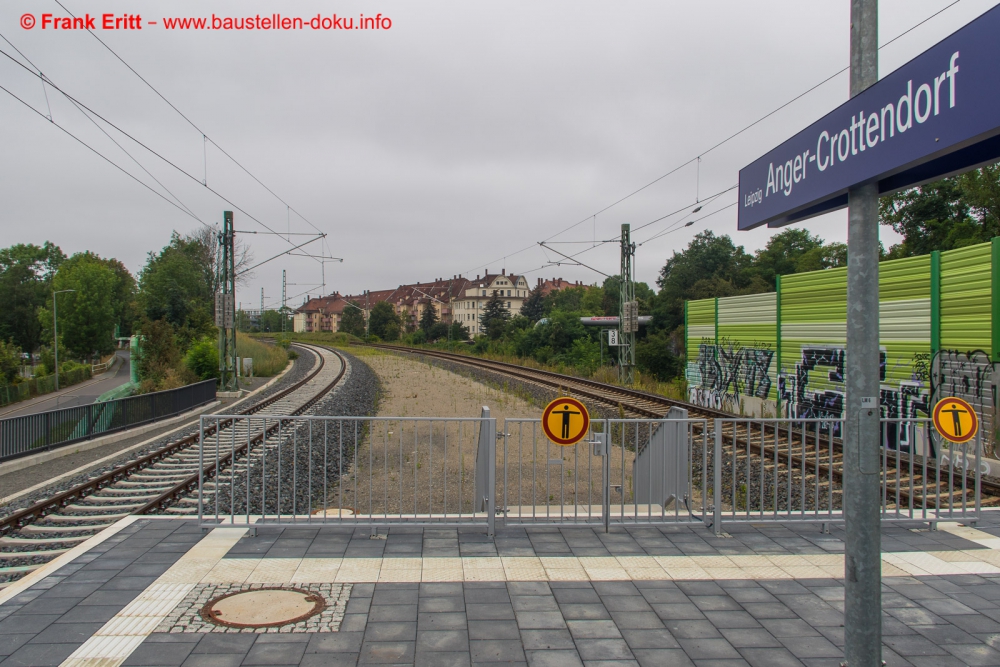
(503, 272)
(477, 276)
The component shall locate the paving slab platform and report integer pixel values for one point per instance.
(653, 595)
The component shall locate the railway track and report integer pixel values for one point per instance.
(905, 486)
(162, 481)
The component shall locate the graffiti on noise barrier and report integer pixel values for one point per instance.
(727, 371)
(969, 376)
(816, 391)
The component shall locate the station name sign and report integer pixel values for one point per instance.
(937, 115)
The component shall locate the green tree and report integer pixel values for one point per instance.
(25, 276)
(352, 320)
(783, 251)
(534, 306)
(438, 331)
(428, 318)
(123, 298)
(384, 322)
(176, 286)
(459, 332)
(828, 256)
(710, 266)
(946, 214)
(270, 322)
(654, 354)
(494, 317)
(87, 316)
(10, 361)
(159, 353)
(569, 299)
(611, 290)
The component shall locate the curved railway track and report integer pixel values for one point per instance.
(941, 487)
(162, 481)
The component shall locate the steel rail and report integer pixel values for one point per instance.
(185, 486)
(644, 404)
(39, 510)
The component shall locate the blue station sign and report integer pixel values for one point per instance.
(937, 115)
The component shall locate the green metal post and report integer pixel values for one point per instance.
(995, 301)
(777, 342)
(936, 298)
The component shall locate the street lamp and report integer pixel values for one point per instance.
(55, 333)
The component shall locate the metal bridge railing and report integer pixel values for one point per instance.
(30, 434)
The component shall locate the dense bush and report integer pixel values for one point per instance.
(203, 359)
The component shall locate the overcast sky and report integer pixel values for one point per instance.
(463, 134)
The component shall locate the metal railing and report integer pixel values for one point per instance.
(365, 471)
(790, 470)
(373, 471)
(627, 470)
(30, 434)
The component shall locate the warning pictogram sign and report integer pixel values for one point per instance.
(955, 420)
(565, 421)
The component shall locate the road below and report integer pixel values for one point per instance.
(84, 393)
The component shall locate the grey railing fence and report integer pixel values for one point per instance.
(21, 436)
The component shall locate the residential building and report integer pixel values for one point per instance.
(319, 314)
(556, 284)
(469, 305)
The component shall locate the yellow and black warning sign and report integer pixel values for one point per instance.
(565, 421)
(955, 420)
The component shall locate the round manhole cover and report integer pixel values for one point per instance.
(263, 607)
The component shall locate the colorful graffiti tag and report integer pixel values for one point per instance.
(728, 371)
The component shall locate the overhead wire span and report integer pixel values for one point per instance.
(96, 152)
(180, 169)
(732, 136)
(204, 134)
(687, 224)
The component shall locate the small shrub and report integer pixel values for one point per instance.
(203, 359)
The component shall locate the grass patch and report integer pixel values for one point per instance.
(675, 389)
(321, 337)
(268, 360)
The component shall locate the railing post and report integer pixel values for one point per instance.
(979, 462)
(606, 476)
(491, 482)
(717, 480)
(201, 467)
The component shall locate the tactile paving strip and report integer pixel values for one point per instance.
(186, 616)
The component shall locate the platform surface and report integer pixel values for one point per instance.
(542, 596)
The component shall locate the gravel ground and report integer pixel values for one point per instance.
(754, 487)
(302, 457)
(300, 369)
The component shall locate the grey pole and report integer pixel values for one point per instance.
(863, 601)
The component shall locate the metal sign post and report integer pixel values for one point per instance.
(933, 117)
(862, 544)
